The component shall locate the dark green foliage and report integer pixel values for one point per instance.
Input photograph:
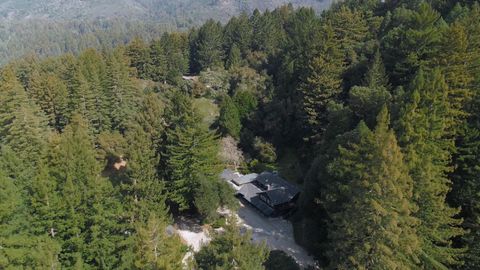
(323, 84)
(424, 133)
(371, 200)
(246, 103)
(208, 46)
(192, 165)
(154, 248)
(229, 119)
(99, 150)
(231, 249)
(418, 28)
(279, 260)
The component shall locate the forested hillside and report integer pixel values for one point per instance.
(52, 27)
(372, 107)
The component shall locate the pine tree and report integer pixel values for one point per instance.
(322, 86)
(157, 70)
(13, 251)
(120, 90)
(234, 57)
(350, 28)
(208, 46)
(154, 248)
(370, 204)
(191, 152)
(139, 54)
(23, 129)
(457, 60)
(229, 119)
(51, 94)
(466, 191)
(376, 76)
(94, 71)
(88, 210)
(424, 134)
(150, 117)
(414, 43)
(238, 32)
(144, 190)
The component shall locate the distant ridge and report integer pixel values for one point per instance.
(52, 27)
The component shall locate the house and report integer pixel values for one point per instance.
(268, 192)
(244, 179)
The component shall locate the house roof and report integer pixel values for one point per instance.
(250, 193)
(245, 179)
(279, 196)
(278, 190)
(229, 175)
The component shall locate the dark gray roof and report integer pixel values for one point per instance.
(228, 175)
(278, 190)
(244, 179)
(279, 196)
(250, 193)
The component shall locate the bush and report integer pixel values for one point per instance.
(279, 260)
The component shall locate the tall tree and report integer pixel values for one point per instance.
(370, 204)
(51, 95)
(208, 46)
(88, 210)
(423, 131)
(323, 85)
(229, 119)
(191, 155)
(155, 248)
(121, 90)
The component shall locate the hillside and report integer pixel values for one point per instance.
(52, 27)
(139, 9)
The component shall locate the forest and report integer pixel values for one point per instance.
(371, 107)
(53, 27)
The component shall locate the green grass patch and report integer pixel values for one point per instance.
(208, 110)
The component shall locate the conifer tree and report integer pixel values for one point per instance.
(376, 76)
(191, 152)
(323, 85)
(139, 54)
(370, 204)
(144, 190)
(154, 248)
(51, 94)
(423, 130)
(88, 210)
(120, 90)
(234, 57)
(80, 98)
(208, 46)
(94, 70)
(238, 32)
(414, 43)
(229, 119)
(157, 70)
(23, 127)
(350, 28)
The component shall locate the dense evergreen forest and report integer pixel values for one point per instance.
(372, 107)
(53, 27)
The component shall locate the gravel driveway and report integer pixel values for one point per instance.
(276, 232)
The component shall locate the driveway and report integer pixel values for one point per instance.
(276, 232)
